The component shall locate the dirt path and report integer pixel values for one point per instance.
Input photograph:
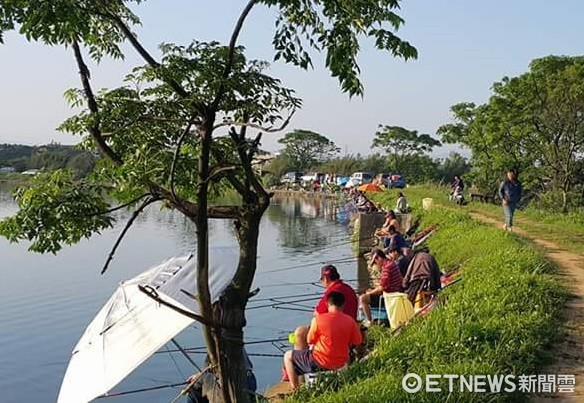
(569, 350)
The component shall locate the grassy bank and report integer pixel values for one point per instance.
(566, 230)
(500, 319)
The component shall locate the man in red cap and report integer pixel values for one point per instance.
(331, 280)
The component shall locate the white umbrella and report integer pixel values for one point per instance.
(131, 326)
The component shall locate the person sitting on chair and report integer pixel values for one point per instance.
(390, 219)
(331, 279)
(402, 206)
(390, 280)
(332, 334)
(395, 238)
(422, 277)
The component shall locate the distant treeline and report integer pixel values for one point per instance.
(46, 157)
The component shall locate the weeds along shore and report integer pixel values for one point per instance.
(502, 318)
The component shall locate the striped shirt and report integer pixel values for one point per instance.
(391, 279)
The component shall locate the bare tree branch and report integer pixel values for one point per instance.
(239, 187)
(241, 142)
(120, 206)
(143, 52)
(94, 129)
(176, 154)
(268, 129)
(232, 43)
(219, 170)
(152, 293)
(125, 230)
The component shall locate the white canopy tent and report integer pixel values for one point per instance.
(132, 326)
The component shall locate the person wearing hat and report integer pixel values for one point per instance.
(390, 281)
(331, 280)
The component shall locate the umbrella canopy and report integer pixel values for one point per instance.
(370, 187)
(131, 326)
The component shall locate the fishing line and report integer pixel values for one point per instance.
(298, 283)
(314, 263)
(196, 349)
(175, 363)
(129, 392)
(285, 297)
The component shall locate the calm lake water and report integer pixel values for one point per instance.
(48, 300)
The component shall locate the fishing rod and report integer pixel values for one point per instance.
(286, 296)
(287, 308)
(129, 392)
(196, 349)
(205, 352)
(340, 260)
(276, 302)
(334, 245)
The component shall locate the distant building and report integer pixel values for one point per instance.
(7, 170)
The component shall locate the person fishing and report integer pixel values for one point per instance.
(390, 281)
(422, 277)
(331, 280)
(332, 333)
(402, 206)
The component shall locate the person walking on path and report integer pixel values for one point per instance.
(510, 194)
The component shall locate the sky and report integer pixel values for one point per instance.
(464, 47)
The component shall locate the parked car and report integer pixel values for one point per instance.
(291, 177)
(359, 178)
(309, 178)
(396, 181)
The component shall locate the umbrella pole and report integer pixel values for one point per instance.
(182, 350)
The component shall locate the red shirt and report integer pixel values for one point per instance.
(351, 299)
(332, 333)
(391, 279)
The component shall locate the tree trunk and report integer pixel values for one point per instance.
(564, 201)
(230, 311)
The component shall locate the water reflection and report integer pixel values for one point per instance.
(301, 220)
(42, 319)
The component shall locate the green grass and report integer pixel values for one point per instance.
(566, 230)
(500, 319)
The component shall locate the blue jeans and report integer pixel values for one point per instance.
(508, 211)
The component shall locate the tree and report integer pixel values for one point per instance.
(304, 149)
(401, 144)
(454, 164)
(534, 122)
(159, 135)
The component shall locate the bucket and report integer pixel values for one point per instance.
(427, 203)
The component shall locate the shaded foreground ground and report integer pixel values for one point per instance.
(568, 352)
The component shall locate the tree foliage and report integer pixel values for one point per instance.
(66, 212)
(454, 164)
(402, 144)
(534, 121)
(185, 126)
(304, 149)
